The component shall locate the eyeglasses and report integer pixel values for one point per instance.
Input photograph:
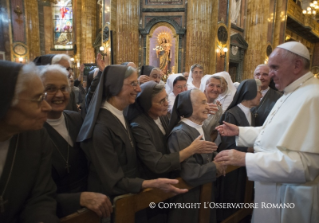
(162, 102)
(181, 86)
(53, 89)
(134, 84)
(37, 100)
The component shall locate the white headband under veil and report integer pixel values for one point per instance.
(169, 83)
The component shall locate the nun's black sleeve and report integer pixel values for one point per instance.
(229, 142)
(155, 160)
(195, 170)
(110, 170)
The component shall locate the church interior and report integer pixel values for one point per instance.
(221, 35)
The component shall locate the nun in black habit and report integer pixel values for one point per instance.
(149, 123)
(107, 140)
(231, 188)
(26, 187)
(198, 169)
(69, 164)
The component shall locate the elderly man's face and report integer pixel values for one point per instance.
(30, 113)
(280, 69)
(261, 73)
(58, 91)
(159, 105)
(155, 76)
(200, 106)
(197, 74)
(179, 87)
(213, 89)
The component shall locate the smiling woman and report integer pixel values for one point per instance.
(27, 189)
(107, 139)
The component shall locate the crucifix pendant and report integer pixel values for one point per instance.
(67, 167)
(256, 114)
(2, 202)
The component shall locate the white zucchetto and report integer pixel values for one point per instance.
(296, 48)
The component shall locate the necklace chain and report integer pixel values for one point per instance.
(67, 166)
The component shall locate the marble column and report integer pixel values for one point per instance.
(32, 23)
(256, 35)
(199, 34)
(126, 36)
(281, 21)
(88, 30)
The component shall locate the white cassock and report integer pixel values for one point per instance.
(285, 165)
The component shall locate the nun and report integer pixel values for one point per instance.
(149, 124)
(176, 83)
(232, 187)
(107, 140)
(211, 87)
(26, 188)
(65, 61)
(195, 75)
(69, 164)
(198, 169)
(227, 91)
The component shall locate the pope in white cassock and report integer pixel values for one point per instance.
(285, 165)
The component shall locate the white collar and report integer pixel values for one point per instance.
(56, 121)
(297, 83)
(263, 92)
(111, 108)
(246, 111)
(191, 123)
(194, 125)
(117, 113)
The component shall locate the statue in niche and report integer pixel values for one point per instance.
(163, 51)
(235, 11)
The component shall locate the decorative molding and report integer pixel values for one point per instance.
(233, 26)
(20, 49)
(238, 40)
(179, 30)
(163, 10)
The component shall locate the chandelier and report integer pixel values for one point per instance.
(311, 9)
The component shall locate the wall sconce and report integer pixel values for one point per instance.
(102, 51)
(225, 50)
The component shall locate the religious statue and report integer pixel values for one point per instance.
(163, 51)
